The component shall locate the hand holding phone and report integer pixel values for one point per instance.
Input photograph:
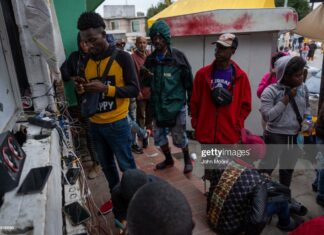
(79, 81)
(95, 86)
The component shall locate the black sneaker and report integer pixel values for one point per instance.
(137, 149)
(297, 208)
(188, 167)
(165, 164)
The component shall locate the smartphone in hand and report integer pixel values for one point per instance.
(79, 80)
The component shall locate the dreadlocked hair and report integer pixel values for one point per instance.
(89, 20)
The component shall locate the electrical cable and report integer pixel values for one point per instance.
(77, 159)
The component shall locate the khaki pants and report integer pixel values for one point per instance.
(143, 114)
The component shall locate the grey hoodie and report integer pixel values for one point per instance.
(281, 118)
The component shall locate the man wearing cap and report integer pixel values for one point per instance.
(221, 97)
(168, 74)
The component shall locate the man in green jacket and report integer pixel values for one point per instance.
(168, 73)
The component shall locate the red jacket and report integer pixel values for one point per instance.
(219, 125)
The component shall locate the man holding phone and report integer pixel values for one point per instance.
(109, 125)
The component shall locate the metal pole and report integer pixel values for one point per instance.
(286, 3)
(321, 98)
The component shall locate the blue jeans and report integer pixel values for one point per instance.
(136, 129)
(319, 180)
(281, 209)
(113, 139)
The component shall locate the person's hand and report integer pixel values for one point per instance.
(146, 93)
(78, 79)
(146, 71)
(266, 175)
(95, 86)
(293, 92)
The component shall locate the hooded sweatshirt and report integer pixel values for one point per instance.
(171, 84)
(281, 118)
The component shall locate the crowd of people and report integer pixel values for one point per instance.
(145, 94)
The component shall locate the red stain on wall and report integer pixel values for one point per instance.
(291, 15)
(205, 24)
(242, 22)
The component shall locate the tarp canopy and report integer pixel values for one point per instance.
(184, 7)
(42, 23)
(312, 25)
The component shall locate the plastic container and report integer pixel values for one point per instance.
(307, 125)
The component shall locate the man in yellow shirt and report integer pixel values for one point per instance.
(109, 125)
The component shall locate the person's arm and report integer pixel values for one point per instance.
(67, 68)
(146, 72)
(131, 87)
(65, 72)
(269, 110)
(195, 100)
(257, 216)
(187, 79)
(246, 101)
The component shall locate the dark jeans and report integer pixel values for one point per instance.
(282, 148)
(135, 129)
(281, 209)
(113, 139)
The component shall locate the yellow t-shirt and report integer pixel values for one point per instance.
(122, 85)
